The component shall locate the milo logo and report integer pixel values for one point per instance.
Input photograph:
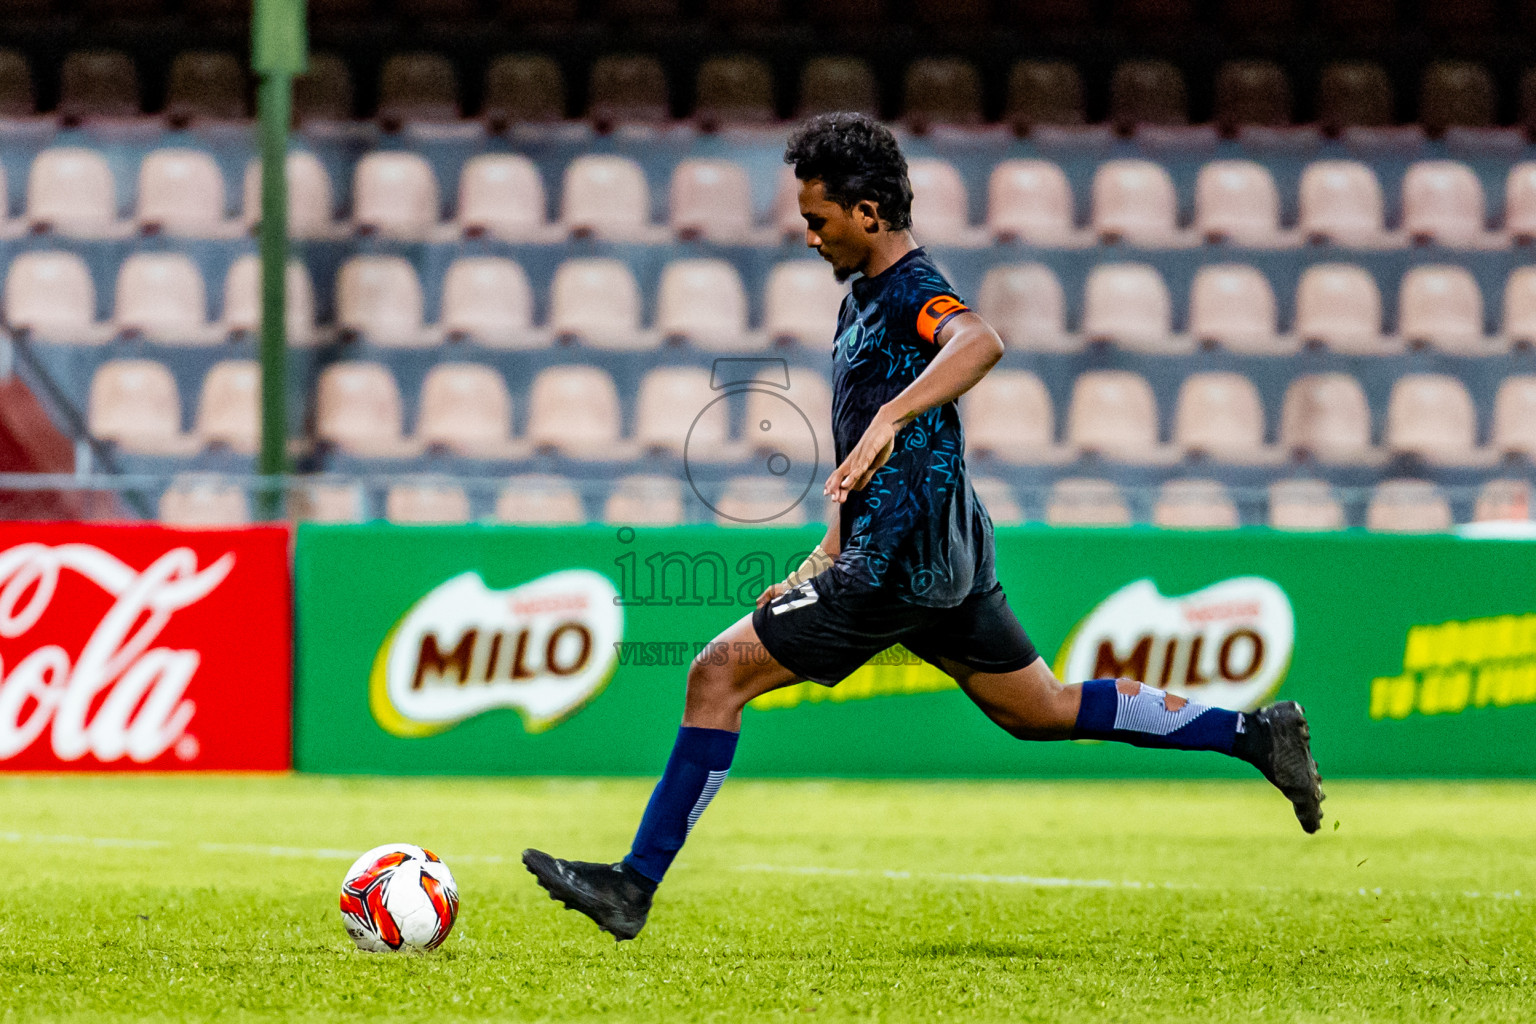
(1228, 645)
(544, 649)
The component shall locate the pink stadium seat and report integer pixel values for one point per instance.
(379, 298)
(134, 404)
(357, 409)
(645, 500)
(759, 501)
(1325, 416)
(704, 303)
(161, 296)
(1236, 201)
(1519, 321)
(678, 411)
(1304, 505)
(311, 207)
(1195, 505)
(574, 410)
(605, 196)
(50, 295)
(801, 303)
(201, 501)
(427, 503)
(1220, 416)
(997, 497)
(1408, 506)
(1009, 416)
(1233, 306)
(71, 191)
(1443, 202)
(939, 208)
(501, 194)
(1338, 306)
(1341, 202)
(394, 194)
(242, 300)
(466, 410)
(1114, 414)
(711, 199)
(326, 503)
(1029, 200)
(597, 301)
(1504, 500)
(1134, 200)
(1078, 501)
(1520, 202)
(539, 499)
(1514, 417)
(786, 412)
(229, 407)
(181, 192)
(1128, 304)
(1431, 415)
(787, 222)
(487, 299)
(1441, 307)
(1025, 304)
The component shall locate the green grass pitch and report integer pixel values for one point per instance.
(187, 898)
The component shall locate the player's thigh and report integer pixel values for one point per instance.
(735, 667)
(1028, 702)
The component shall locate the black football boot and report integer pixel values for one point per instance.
(1278, 743)
(601, 891)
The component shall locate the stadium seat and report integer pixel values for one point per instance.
(1114, 414)
(1441, 307)
(1503, 500)
(1078, 501)
(1353, 94)
(487, 299)
(1431, 416)
(1195, 505)
(379, 299)
(162, 297)
(205, 85)
(1025, 304)
(1231, 305)
(134, 404)
(1514, 418)
(1009, 416)
(320, 502)
(1236, 201)
(1339, 307)
(523, 88)
(1043, 92)
(829, 84)
(71, 191)
(97, 84)
(759, 501)
(941, 91)
(940, 211)
(358, 410)
(1304, 505)
(1127, 304)
(744, 13)
(1029, 201)
(734, 90)
(800, 303)
(1443, 202)
(1518, 325)
(1407, 506)
(502, 195)
(51, 296)
(417, 87)
(1456, 94)
(1147, 92)
(394, 194)
(202, 501)
(711, 199)
(539, 499)
(1220, 416)
(1341, 203)
(16, 96)
(627, 89)
(311, 209)
(242, 301)
(322, 95)
(702, 302)
(644, 500)
(997, 498)
(597, 302)
(1520, 201)
(786, 412)
(466, 410)
(229, 407)
(1252, 93)
(1326, 417)
(677, 410)
(605, 196)
(574, 410)
(788, 225)
(181, 192)
(426, 503)
(1133, 201)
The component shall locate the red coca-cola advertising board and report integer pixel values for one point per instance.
(143, 647)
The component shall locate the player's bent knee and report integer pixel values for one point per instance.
(713, 685)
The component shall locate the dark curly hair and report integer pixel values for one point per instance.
(856, 158)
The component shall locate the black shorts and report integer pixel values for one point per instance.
(826, 628)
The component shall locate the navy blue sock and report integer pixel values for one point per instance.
(1144, 716)
(700, 760)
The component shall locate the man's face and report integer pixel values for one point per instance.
(841, 236)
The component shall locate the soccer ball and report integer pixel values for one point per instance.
(398, 897)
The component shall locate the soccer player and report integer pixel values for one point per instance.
(908, 557)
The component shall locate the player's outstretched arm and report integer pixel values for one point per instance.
(968, 348)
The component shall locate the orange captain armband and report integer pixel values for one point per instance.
(936, 312)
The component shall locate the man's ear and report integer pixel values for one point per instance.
(868, 215)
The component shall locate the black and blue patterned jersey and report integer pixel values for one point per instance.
(917, 529)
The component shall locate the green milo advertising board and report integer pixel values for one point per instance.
(565, 650)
